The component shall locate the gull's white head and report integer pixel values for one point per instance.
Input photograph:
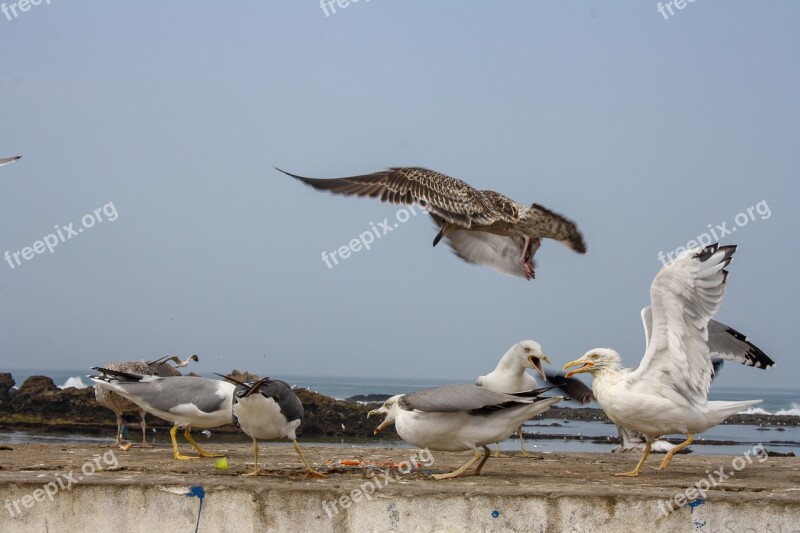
(529, 355)
(595, 361)
(390, 408)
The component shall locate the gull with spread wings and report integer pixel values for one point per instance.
(668, 392)
(482, 227)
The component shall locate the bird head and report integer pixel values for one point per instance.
(390, 408)
(530, 355)
(594, 361)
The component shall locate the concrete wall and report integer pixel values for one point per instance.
(130, 505)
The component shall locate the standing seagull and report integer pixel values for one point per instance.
(119, 405)
(460, 417)
(186, 401)
(268, 409)
(510, 376)
(7, 160)
(482, 227)
(668, 392)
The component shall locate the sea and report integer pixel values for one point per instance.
(548, 435)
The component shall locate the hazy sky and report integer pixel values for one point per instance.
(167, 118)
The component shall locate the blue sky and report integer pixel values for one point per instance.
(642, 130)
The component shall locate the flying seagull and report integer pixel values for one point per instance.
(268, 409)
(510, 376)
(7, 160)
(668, 392)
(482, 227)
(186, 401)
(460, 417)
(120, 405)
(182, 363)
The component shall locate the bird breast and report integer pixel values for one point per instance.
(261, 418)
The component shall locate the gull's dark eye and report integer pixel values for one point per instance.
(527, 349)
(595, 356)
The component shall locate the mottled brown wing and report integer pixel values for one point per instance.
(451, 199)
(545, 223)
(505, 206)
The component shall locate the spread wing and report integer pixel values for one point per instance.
(548, 224)
(684, 296)
(723, 341)
(573, 387)
(449, 198)
(7, 160)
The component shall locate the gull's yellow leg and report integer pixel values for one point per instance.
(175, 451)
(635, 471)
(523, 452)
(673, 451)
(460, 471)
(197, 447)
(310, 472)
(255, 471)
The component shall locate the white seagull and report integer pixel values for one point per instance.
(186, 401)
(668, 392)
(182, 363)
(268, 409)
(510, 376)
(482, 227)
(460, 417)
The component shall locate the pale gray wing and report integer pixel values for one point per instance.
(165, 394)
(684, 296)
(449, 198)
(548, 224)
(723, 341)
(495, 251)
(454, 398)
(729, 344)
(7, 160)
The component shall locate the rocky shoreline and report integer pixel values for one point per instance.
(40, 405)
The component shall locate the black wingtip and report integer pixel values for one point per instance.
(755, 356)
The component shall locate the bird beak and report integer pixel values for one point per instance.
(584, 366)
(537, 364)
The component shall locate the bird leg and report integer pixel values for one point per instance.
(255, 471)
(442, 230)
(497, 452)
(197, 447)
(175, 451)
(144, 443)
(529, 248)
(310, 472)
(673, 451)
(523, 452)
(460, 471)
(635, 472)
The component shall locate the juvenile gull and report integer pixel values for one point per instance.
(510, 376)
(668, 392)
(120, 405)
(186, 401)
(482, 227)
(460, 417)
(268, 409)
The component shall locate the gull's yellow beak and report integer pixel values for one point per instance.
(536, 362)
(584, 366)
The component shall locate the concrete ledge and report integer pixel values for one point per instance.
(150, 491)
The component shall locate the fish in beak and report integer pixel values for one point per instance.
(583, 364)
(536, 362)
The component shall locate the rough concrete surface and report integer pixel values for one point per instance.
(148, 490)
